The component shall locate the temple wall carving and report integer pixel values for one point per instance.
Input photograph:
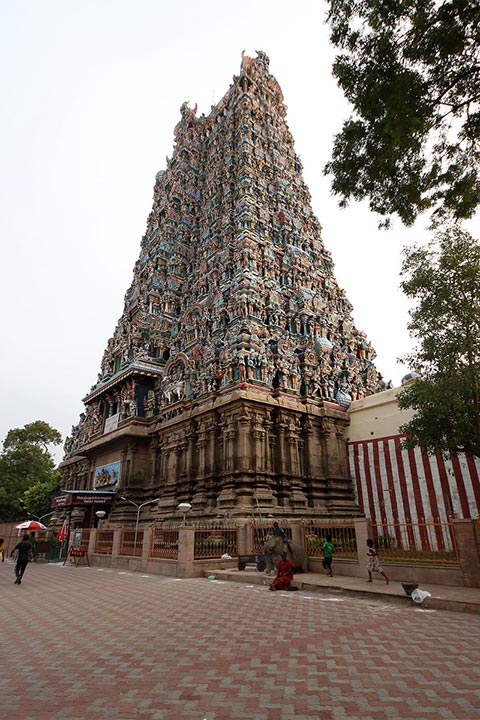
(233, 291)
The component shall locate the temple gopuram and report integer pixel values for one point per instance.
(227, 379)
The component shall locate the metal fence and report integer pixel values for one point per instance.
(430, 540)
(164, 543)
(215, 542)
(104, 542)
(85, 539)
(261, 531)
(343, 538)
(131, 543)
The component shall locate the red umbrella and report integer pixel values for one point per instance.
(63, 532)
(31, 525)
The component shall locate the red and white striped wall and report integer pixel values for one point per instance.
(409, 485)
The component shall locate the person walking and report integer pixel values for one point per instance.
(24, 555)
(2, 550)
(373, 562)
(328, 550)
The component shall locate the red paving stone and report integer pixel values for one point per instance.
(95, 644)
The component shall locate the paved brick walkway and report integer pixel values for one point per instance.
(94, 644)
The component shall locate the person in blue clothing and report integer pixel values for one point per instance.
(279, 532)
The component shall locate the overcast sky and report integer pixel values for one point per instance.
(91, 91)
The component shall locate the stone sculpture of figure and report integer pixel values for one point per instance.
(343, 396)
(131, 407)
(187, 113)
(149, 404)
(247, 61)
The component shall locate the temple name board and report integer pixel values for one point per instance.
(74, 498)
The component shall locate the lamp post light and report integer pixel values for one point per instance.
(41, 516)
(139, 507)
(100, 515)
(184, 508)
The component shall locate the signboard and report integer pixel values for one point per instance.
(107, 476)
(77, 537)
(79, 498)
(60, 501)
(111, 423)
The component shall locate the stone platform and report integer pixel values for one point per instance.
(443, 597)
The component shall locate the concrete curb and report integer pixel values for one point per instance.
(435, 602)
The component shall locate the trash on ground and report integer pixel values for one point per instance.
(419, 596)
(409, 587)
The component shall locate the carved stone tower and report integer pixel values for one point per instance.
(226, 380)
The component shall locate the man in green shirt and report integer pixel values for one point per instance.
(328, 550)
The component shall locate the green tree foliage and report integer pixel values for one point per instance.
(411, 70)
(38, 496)
(444, 280)
(26, 462)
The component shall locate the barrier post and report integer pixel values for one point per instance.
(467, 535)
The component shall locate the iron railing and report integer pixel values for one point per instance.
(215, 542)
(131, 543)
(164, 543)
(431, 540)
(104, 542)
(343, 537)
(85, 539)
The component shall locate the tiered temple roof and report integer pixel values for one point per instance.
(233, 285)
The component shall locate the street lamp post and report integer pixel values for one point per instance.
(139, 507)
(184, 507)
(41, 516)
(100, 515)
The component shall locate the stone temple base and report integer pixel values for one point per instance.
(248, 453)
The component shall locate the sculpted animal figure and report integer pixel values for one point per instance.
(247, 61)
(273, 549)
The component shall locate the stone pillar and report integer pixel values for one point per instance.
(189, 463)
(155, 448)
(297, 534)
(124, 469)
(201, 448)
(342, 450)
(229, 434)
(362, 533)
(244, 541)
(467, 536)
(147, 535)
(132, 452)
(186, 540)
(243, 450)
(269, 440)
(211, 451)
(330, 449)
(117, 536)
(227, 496)
(92, 541)
(258, 441)
(298, 498)
(281, 455)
